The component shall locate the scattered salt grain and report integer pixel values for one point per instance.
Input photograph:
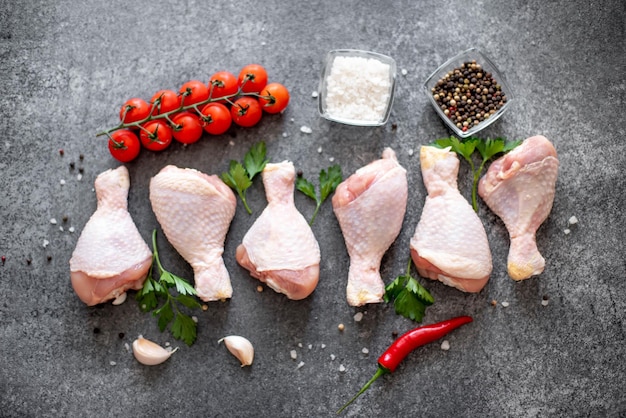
(195, 319)
(285, 134)
(293, 354)
(331, 159)
(445, 345)
(358, 316)
(319, 150)
(53, 221)
(404, 71)
(365, 351)
(306, 129)
(545, 302)
(573, 220)
(310, 346)
(300, 345)
(167, 343)
(332, 357)
(566, 231)
(45, 243)
(112, 363)
(62, 182)
(300, 365)
(79, 177)
(61, 228)
(127, 347)
(72, 229)
(411, 151)
(231, 143)
(505, 304)
(323, 346)
(342, 368)
(314, 95)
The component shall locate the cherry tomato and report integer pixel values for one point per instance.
(255, 77)
(155, 135)
(274, 98)
(170, 100)
(246, 111)
(134, 110)
(188, 128)
(216, 119)
(194, 91)
(224, 84)
(124, 145)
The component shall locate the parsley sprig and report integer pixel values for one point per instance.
(183, 327)
(328, 180)
(239, 176)
(488, 148)
(410, 298)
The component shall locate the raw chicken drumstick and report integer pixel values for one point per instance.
(195, 211)
(280, 248)
(110, 256)
(450, 243)
(519, 187)
(370, 207)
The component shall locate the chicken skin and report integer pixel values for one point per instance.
(519, 187)
(110, 255)
(195, 211)
(280, 248)
(450, 243)
(370, 207)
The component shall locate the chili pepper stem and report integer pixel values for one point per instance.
(381, 371)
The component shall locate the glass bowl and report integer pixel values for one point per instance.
(488, 67)
(359, 89)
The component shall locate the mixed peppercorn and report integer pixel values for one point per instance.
(468, 95)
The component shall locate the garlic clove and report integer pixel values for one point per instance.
(120, 299)
(149, 353)
(240, 347)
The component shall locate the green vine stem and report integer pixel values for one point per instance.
(181, 108)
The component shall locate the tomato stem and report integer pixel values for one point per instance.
(182, 107)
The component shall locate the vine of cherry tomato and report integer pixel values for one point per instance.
(184, 114)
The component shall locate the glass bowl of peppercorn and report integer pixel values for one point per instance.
(468, 92)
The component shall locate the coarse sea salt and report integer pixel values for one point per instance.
(358, 89)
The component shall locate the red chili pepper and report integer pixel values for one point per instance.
(406, 343)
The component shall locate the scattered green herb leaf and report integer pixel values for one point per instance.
(184, 327)
(239, 176)
(488, 148)
(410, 298)
(328, 180)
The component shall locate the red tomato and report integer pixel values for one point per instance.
(155, 135)
(134, 110)
(255, 78)
(194, 91)
(124, 145)
(274, 98)
(169, 100)
(246, 111)
(217, 119)
(187, 129)
(224, 84)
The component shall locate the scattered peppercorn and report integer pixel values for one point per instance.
(81, 170)
(394, 334)
(4, 259)
(81, 156)
(61, 152)
(72, 165)
(49, 257)
(96, 330)
(467, 96)
(299, 173)
(121, 335)
(65, 218)
(28, 261)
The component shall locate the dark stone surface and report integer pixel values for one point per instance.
(66, 67)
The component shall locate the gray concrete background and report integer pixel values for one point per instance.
(66, 67)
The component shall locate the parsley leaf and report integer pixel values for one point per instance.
(328, 180)
(488, 148)
(183, 327)
(239, 176)
(410, 299)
